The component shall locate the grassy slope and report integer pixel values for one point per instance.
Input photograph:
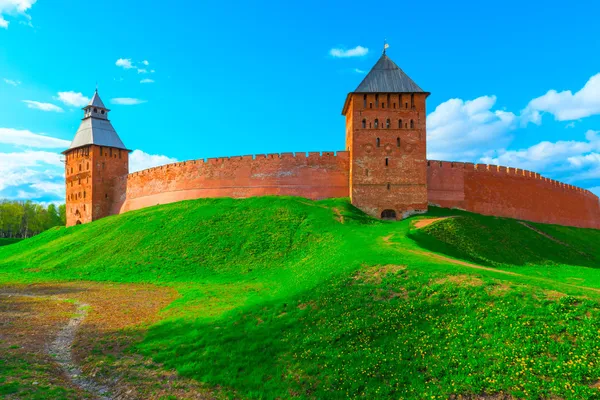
(7, 241)
(280, 299)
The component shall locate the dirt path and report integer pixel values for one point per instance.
(61, 348)
(439, 257)
(423, 222)
(94, 325)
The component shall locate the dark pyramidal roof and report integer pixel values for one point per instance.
(387, 77)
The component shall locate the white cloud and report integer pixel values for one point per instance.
(461, 130)
(14, 8)
(127, 101)
(575, 160)
(42, 106)
(124, 63)
(73, 99)
(55, 188)
(23, 169)
(145, 62)
(147, 80)
(566, 106)
(359, 71)
(138, 160)
(11, 81)
(357, 51)
(26, 138)
(142, 71)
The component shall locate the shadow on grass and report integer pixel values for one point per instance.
(493, 241)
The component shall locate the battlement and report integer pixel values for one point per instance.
(506, 171)
(315, 156)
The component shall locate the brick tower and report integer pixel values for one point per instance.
(94, 162)
(386, 138)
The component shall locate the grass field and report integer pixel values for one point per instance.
(7, 241)
(286, 297)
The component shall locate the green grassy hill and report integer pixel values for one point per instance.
(7, 241)
(286, 297)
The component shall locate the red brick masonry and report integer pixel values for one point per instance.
(510, 192)
(314, 176)
(480, 188)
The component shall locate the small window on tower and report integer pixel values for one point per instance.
(382, 105)
(412, 124)
(367, 172)
(388, 186)
(397, 142)
(399, 124)
(376, 101)
(88, 166)
(378, 142)
(95, 110)
(387, 123)
(394, 105)
(388, 100)
(376, 123)
(406, 105)
(84, 194)
(102, 112)
(412, 100)
(364, 123)
(365, 101)
(79, 167)
(370, 105)
(106, 195)
(387, 161)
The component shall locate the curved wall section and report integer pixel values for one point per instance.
(510, 192)
(315, 176)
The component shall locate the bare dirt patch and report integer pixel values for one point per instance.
(423, 222)
(338, 215)
(463, 263)
(499, 289)
(27, 326)
(377, 273)
(553, 295)
(117, 317)
(460, 280)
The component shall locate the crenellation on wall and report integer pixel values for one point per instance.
(318, 175)
(511, 192)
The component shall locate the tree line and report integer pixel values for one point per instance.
(24, 219)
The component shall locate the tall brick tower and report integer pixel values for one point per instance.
(386, 138)
(96, 159)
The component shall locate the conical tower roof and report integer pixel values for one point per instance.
(95, 128)
(387, 77)
(96, 101)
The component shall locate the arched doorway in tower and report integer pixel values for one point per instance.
(388, 215)
(78, 222)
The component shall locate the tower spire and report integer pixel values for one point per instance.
(385, 45)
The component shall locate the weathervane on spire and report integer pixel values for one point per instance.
(385, 45)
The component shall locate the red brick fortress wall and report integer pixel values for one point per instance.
(314, 176)
(510, 192)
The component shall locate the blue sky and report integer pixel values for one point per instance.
(515, 83)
